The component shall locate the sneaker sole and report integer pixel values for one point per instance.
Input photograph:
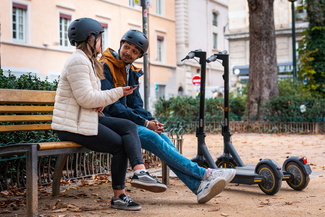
(230, 177)
(215, 190)
(148, 187)
(126, 208)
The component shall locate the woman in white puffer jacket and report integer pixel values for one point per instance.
(78, 104)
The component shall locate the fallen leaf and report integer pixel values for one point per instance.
(109, 212)
(88, 208)
(4, 211)
(100, 200)
(60, 205)
(266, 202)
(213, 210)
(60, 210)
(72, 206)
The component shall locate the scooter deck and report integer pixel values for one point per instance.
(246, 175)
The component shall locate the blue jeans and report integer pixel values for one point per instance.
(160, 145)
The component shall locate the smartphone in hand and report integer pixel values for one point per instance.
(134, 85)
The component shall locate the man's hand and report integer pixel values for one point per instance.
(160, 127)
(128, 90)
(156, 126)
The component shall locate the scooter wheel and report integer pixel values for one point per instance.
(300, 179)
(203, 163)
(223, 164)
(271, 184)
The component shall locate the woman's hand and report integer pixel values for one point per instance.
(128, 90)
(100, 109)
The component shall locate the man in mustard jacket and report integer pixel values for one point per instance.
(119, 71)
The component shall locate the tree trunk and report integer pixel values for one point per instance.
(263, 75)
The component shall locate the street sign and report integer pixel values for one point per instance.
(138, 2)
(196, 80)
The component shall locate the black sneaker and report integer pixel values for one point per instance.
(145, 181)
(124, 202)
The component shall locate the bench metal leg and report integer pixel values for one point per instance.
(165, 173)
(32, 182)
(59, 165)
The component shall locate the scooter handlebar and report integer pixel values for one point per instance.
(190, 55)
(213, 57)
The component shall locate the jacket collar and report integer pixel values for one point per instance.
(110, 55)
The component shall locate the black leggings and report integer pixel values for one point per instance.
(116, 136)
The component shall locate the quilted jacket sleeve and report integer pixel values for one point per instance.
(85, 86)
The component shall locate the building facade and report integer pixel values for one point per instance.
(200, 24)
(34, 36)
(238, 36)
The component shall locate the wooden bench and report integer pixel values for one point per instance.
(27, 104)
(31, 110)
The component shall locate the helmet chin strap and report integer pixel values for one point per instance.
(93, 48)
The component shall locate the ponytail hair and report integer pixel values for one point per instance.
(91, 53)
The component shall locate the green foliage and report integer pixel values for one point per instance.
(312, 49)
(288, 87)
(183, 109)
(295, 109)
(285, 108)
(238, 100)
(26, 82)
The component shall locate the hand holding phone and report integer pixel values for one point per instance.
(135, 85)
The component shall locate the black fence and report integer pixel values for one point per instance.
(262, 127)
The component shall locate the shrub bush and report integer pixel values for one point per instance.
(295, 109)
(294, 104)
(184, 109)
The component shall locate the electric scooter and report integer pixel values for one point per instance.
(266, 173)
(203, 155)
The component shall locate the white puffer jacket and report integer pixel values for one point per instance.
(77, 95)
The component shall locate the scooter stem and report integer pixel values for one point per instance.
(203, 153)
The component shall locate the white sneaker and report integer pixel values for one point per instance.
(227, 173)
(208, 189)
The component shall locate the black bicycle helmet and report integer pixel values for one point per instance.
(80, 29)
(137, 38)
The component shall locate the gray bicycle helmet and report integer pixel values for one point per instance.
(137, 38)
(80, 29)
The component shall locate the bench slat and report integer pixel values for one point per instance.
(57, 145)
(26, 127)
(27, 109)
(26, 96)
(20, 118)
